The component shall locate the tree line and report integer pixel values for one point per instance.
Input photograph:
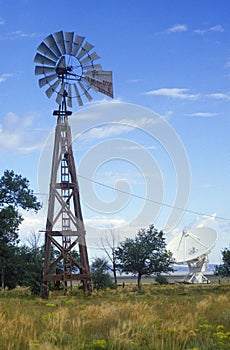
(143, 255)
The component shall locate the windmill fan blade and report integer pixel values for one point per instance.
(69, 96)
(101, 81)
(78, 95)
(85, 49)
(44, 60)
(60, 41)
(69, 42)
(44, 70)
(43, 48)
(62, 62)
(86, 93)
(52, 88)
(93, 56)
(93, 67)
(77, 44)
(46, 80)
(52, 45)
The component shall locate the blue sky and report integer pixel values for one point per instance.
(169, 58)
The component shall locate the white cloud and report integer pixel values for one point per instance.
(220, 95)
(217, 28)
(202, 114)
(141, 122)
(205, 220)
(104, 222)
(2, 21)
(115, 128)
(32, 223)
(18, 34)
(174, 93)
(177, 28)
(200, 31)
(134, 81)
(16, 135)
(167, 115)
(106, 131)
(4, 77)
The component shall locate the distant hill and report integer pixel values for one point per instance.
(183, 269)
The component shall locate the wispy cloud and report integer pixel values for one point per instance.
(217, 28)
(2, 21)
(17, 35)
(200, 31)
(105, 131)
(220, 95)
(174, 93)
(4, 77)
(134, 81)
(105, 222)
(184, 94)
(177, 28)
(202, 114)
(114, 129)
(227, 64)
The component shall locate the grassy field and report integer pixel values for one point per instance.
(167, 317)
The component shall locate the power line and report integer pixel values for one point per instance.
(152, 200)
(146, 199)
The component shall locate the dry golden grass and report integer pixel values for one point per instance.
(158, 318)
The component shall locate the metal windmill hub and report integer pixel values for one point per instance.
(72, 71)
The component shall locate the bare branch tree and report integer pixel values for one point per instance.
(34, 240)
(109, 245)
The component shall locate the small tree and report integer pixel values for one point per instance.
(14, 194)
(146, 254)
(28, 267)
(224, 269)
(100, 276)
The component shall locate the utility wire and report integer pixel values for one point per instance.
(152, 200)
(146, 199)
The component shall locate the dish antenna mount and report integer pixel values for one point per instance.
(192, 248)
(66, 63)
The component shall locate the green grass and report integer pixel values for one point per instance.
(167, 317)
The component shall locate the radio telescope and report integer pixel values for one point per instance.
(193, 247)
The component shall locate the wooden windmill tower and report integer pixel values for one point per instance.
(67, 66)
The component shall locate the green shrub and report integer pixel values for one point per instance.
(102, 280)
(161, 279)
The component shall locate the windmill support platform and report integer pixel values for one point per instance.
(65, 227)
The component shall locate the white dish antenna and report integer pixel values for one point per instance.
(193, 247)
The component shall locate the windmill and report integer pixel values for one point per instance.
(66, 63)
